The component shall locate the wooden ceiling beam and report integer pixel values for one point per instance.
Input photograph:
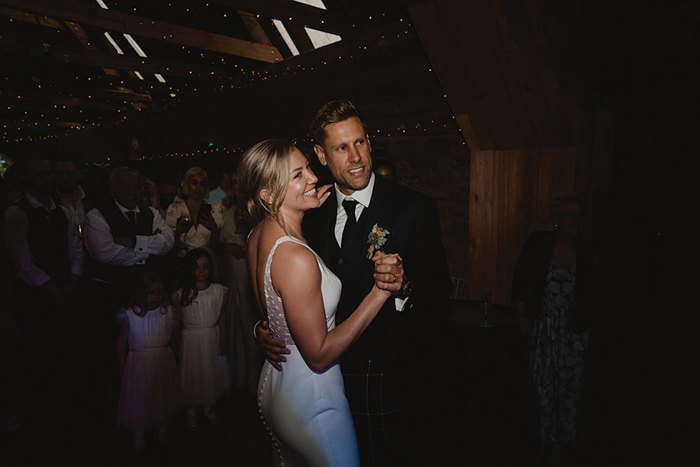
(82, 36)
(33, 18)
(112, 20)
(94, 58)
(295, 13)
(254, 28)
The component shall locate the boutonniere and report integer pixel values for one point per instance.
(376, 240)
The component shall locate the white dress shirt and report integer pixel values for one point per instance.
(363, 198)
(101, 246)
(17, 245)
(75, 213)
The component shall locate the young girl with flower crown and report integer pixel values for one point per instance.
(150, 389)
(204, 371)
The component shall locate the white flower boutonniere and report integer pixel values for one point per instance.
(376, 240)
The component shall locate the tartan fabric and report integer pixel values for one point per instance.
(379, 420)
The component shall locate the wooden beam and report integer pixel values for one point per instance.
(295, 13)
(95, 58)
(254, 28)
(125, 23)
(82, 36)
(301, 38)
(20, 15)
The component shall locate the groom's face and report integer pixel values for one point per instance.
(347, 153)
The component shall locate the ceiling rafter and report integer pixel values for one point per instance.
(125, 23)
(82, 36)
(96, 58)
(28, 17)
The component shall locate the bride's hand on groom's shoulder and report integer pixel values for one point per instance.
(388, 271)
(323, 192)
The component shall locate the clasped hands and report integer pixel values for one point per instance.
(388, 275)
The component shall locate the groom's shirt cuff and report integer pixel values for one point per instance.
(400, 303)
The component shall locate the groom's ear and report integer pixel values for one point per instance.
(320, 153)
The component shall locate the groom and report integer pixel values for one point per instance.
(387, 367)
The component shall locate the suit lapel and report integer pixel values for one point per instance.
(381, 211)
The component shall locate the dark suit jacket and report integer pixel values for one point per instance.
(394, 339)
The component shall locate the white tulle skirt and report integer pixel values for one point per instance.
(150, 390)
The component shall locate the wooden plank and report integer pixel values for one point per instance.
(509, 196)
(125, 23)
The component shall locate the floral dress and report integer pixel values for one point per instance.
(557, 358)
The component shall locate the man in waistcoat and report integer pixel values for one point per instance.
(122, 239)
(47, 261)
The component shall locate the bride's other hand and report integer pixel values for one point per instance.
(271, 347)
(323, 193)
(388, 271)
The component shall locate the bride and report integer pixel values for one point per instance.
(304, 406)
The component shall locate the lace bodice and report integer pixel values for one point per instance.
(330, 290)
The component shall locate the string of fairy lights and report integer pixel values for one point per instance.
(238, 77)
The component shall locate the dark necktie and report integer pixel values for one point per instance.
(350, 224)
(132, 217)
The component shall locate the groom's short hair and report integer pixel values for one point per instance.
(333, 112)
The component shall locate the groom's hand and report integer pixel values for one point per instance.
(388, 271)
(271, 347)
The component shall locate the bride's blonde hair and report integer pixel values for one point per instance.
(265, 167)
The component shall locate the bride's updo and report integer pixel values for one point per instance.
(265, 167)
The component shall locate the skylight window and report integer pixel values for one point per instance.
(285, 35)
(316, 3)
(137, 48)
(114, 44)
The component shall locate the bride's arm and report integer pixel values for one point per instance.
(297, 278)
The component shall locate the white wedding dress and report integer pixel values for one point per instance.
(305, 412)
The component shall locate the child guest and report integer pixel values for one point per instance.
(204, 371)
(150, 390)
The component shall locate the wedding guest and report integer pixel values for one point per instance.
(195, 221)
(168, 184)
(553, 291)
(149, 395)
(243, 352)
(303, 406)
(205, 375)
(122, 238)
(69, 193)
(219, 184)
(47, 261)
(391, 421)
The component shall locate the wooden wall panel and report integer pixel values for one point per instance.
(509, 196)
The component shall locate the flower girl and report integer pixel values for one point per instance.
(150, 390)
(204, 371)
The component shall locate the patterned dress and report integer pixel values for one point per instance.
(557, 358)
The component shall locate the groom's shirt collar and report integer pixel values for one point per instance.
(363, 196)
